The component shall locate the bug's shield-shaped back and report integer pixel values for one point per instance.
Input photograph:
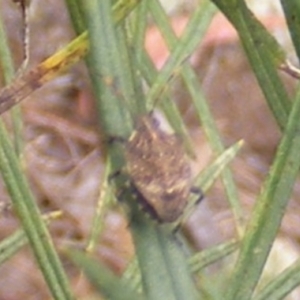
(159, 169)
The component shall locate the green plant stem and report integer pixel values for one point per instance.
(282, 285)
(163, 266)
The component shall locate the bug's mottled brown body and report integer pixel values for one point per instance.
(159, 169)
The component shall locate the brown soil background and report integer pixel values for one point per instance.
(63, 155)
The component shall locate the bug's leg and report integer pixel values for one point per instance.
(120, 172)
(197, 191)
(126, 184)
(194, 190)
(116, 139)
(113, 175)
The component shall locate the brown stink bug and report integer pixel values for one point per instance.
(159, 169)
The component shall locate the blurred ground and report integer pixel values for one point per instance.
(63, 154)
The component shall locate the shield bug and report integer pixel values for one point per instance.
(159, 169)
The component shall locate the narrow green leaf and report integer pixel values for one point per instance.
(132, 275)
(107, 283)
(31, 219)
(164, 269)
(196, 262)
(282, 285)
(185, 46)
(11, 245)
(209, 256)
(24, 202)
(7, 66)
(180, 50)
(207, 177)
(291, 10)
(6, 59)
(105, 200)
(268, 212)
(264, 53)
